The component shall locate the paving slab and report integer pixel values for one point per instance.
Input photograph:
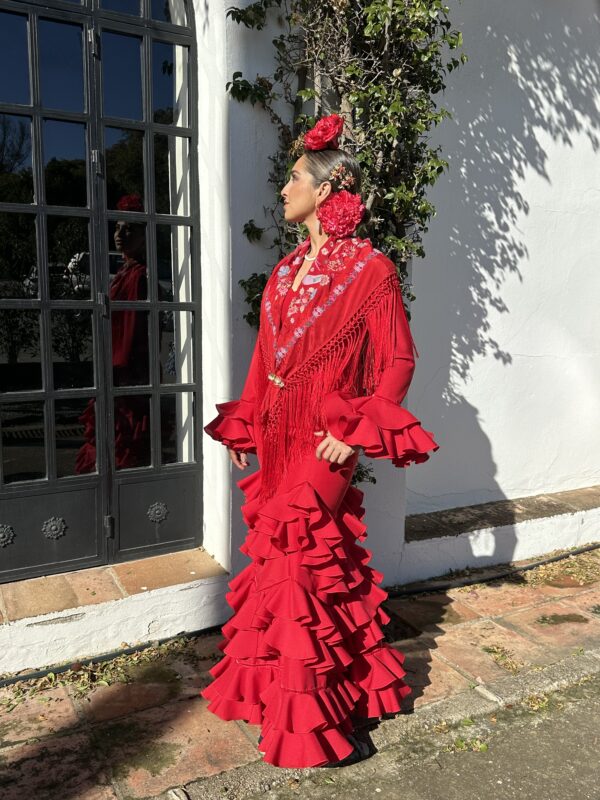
(186, 741)
(433, 611)
(497, 598)
(41, 715)
(556, 624)
(471, 648)
(55, 768)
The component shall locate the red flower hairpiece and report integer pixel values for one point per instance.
(130, 202)
(341, 213)
(324, 135)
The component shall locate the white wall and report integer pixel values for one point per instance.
(508, 379)
(506, 312)
(235, 140)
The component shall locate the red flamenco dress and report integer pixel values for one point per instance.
(130, 353)
(304, 652)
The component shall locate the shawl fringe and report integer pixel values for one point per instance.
(353, 360)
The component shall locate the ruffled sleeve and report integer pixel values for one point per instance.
(377, 422)
(234, 425)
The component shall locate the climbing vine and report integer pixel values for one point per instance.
(381, 65)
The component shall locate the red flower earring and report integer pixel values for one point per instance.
(341, 213)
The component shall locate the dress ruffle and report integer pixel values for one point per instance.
(234, 426)
(383, 428)
(304, 651)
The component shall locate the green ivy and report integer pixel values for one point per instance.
(381, 65)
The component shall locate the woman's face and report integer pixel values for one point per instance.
(130, 238)
(300, 196)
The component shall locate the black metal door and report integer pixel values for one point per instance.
(99, 307)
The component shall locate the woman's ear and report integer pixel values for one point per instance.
(324, 191)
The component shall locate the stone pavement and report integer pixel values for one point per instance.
(470, 651)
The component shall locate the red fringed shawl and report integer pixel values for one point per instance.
(324, 360)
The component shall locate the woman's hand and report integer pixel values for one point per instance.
(331, 449)
(239, 459)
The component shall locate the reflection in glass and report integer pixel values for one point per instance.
(124, 164)
(61, 65)
(122, 75)
(170, 94)
(172, 174)
(127, 253)
(172, 11)
(129, 327)
(177, 427)
(23, 450)
(174, 262)
(122, 6)
(72, 349)
(18, 269)
(132, 432)
(64, 163)
(14, 59)
(16, 174)
(73, 454)
(20, 367)
(130, 347)
(68, 258)
(175, 347)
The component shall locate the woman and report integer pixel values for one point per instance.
(305, 656)
(130, 352)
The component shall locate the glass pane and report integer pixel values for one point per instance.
(72, 349)
(61, 65)
(122, 75)
(18, 267)
(14, 59)
(127, 254)
(176, 347)
(172, 174)
(75, 426)
(23, 450)
(69, 258)
(177, 427)
(130, 352)
(124, 166)
(64, 163)
(20, 367)
(132, 432)
(122, 6)
(169, 11)
(174, 263)
(170, 93)
(16, 174)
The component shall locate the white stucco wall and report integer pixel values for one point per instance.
(235, 140)
(508, 377)
(505, 316)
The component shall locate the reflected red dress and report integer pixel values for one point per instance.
(304, 652)
(130, 368)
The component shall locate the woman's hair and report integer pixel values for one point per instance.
(320, 163)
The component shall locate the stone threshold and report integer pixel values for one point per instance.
(35, 597)
(500, 513)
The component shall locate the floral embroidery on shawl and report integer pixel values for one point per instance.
(282, 351)
(284, 280)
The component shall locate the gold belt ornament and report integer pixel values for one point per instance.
(276, 379)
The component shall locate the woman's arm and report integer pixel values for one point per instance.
(377, 422)
(234, 425)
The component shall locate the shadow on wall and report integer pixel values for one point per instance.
(530, 89)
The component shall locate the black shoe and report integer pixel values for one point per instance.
(360, 752)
